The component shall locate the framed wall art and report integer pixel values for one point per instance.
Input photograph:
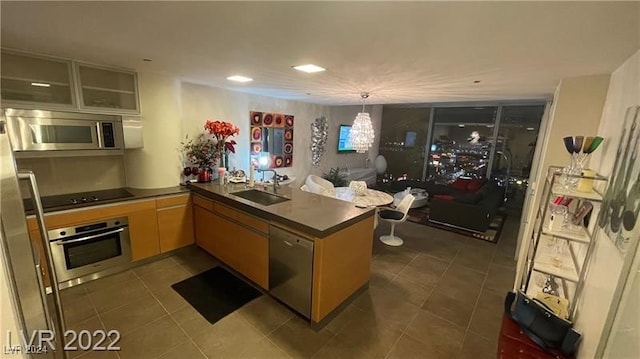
(271, 139)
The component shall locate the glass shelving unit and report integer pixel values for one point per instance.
(558, 254)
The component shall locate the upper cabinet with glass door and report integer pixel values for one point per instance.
(44, 83)
(31, 80)
(107, 89)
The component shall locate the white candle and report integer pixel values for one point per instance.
(251, 178)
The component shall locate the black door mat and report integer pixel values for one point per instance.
(216, 293)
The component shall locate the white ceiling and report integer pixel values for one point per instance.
(400, 52)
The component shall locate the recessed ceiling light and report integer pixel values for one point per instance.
(461, 125)
(40, 84)
(309, 68)
(238, 78)
(530, 128)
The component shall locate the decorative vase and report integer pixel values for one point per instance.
(204, 175)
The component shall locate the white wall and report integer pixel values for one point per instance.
(172, 109)
(59, 175)
(158, 163)
(344, 115)
(605, 271)
(576, 110)
(201, 103)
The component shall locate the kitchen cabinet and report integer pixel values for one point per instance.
(45, 83)
(33, 80)
(239, 236)
(562, 242)
(107, 89)
(237, 239)
(143, 230)
(175, 222)
(205, 229)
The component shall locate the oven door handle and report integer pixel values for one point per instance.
(61, 243)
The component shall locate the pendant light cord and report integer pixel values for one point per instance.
(364, 96)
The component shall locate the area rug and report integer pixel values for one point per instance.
(421, 216)
(215, 293)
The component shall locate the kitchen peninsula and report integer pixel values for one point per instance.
(238, 231)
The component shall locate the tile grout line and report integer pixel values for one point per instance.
(475, 308)
(404, 331)
(86, 291)
(170, 316)
(264, 336)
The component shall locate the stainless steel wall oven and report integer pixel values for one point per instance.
(87, 249)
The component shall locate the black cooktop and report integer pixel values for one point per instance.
(80, 199)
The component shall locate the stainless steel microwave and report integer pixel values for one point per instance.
(35, 130)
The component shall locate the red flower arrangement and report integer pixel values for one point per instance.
(222, 131)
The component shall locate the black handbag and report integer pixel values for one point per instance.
(541, 324)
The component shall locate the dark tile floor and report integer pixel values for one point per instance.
(438, 296)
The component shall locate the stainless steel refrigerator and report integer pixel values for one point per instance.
(31, 310)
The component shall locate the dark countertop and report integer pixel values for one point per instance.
(307, 212)
(137, 194)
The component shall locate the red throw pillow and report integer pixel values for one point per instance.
(444, 197)
(460, 184)
(475, 184)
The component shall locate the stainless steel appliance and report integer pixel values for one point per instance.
(90, 248)
(291, 269)
(81, 199)
(32, 131)
(30, 308)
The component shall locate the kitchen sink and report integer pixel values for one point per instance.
(261, 197)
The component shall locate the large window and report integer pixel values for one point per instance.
(444, 143)
(516, 142)
(403, 141)
(461, 142)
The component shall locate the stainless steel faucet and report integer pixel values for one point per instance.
(275, 178)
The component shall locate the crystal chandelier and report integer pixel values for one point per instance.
(362, 134)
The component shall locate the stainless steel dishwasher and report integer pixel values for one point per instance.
(291, 269)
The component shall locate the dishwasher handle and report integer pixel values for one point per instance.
(289, 238)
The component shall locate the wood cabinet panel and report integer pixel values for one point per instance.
(234, 244)
(143, 229)
(244, 250)
(205, 223)
(341, 266)
(84, 215)
(203, 202)
(170, 201)
(246, 219)
(175, 227)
